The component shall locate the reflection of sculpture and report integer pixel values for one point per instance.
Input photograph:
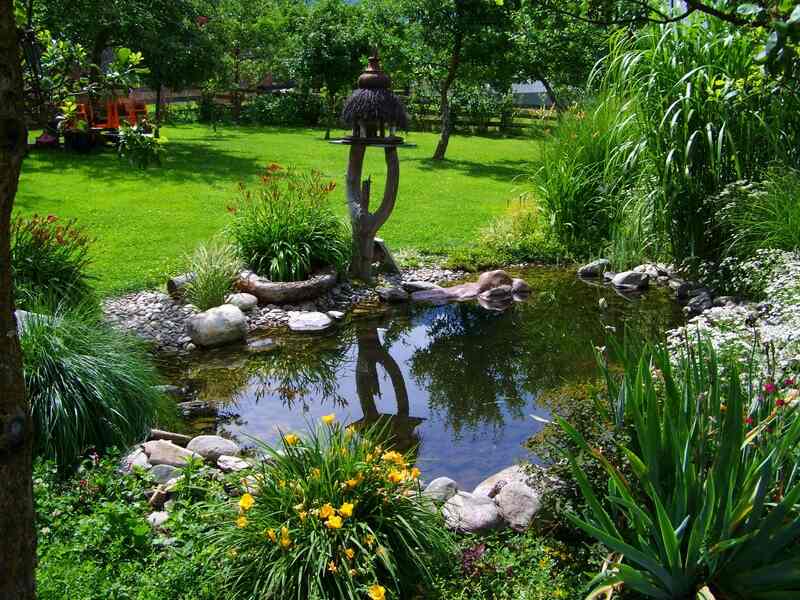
(372, 353)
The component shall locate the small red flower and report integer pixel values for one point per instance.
(780, 402)
(51, 218)
(202, 21)
(749, 421)
(231, 209)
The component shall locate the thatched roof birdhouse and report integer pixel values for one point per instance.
(373, 110)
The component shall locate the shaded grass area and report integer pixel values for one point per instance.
(146, 222)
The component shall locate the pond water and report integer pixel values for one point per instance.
(459, 381)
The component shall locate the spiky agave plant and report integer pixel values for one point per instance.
(89, 386)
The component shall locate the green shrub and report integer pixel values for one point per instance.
(287, 227)
(711, 511)
(289, 108)
(764, 215)
(88, 385)
(140, 147)
(332, 516)
(49, 260)
(216, 267)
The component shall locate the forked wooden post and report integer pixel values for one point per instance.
(365, 224)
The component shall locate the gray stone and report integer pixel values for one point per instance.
(418, 286)
(211, 447)
(649, 269)
(171, 390)
(232, 464)
(158, 497)
(286, 292)
(193, 409)
(520, 287)
(176, 286)
(517, 504)
(217, 326)
(595, 268)
(608, 276)
(163, 473)
(493, 279)
(392, 294)
(309, 321)
(699, 303)
(491, 485)
(136, 458)
(158, 518)
(175, 438)
(441, 489)
(468, 513)
(631, 281)
(243, 301)
(337, 315)
(162, 452)
(259, 345)
(437, 295)
(381, 254)
(501, 292)
(724, 301)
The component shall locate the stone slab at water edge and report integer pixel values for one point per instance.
(217, 326)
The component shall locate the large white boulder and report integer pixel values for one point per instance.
(517, 504)
(309, 321)
(441, 489)
(162, 452)
(468, 513)
(216, 326)
(211, 447)
(243, 301)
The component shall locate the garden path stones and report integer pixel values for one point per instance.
(243, 301)
(441, 489)
(517, 504)
(309, 321)
(211, 447)
(217, 326)
(468, 513)
(595, 268)
(232, 464)
(162, 452)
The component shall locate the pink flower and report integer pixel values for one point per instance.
(789, 382)
(770, 388)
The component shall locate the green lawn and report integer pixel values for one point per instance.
(145, 222)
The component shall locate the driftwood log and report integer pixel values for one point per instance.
(365, 224)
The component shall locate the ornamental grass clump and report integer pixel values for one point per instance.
(334, 514)
(287, 228)
(88, 385)
(215, 267)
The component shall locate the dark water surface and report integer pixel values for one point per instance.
(459, 380)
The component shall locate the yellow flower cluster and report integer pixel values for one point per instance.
(398, 476)
(376, 592)
(334, 517)
(246, 502)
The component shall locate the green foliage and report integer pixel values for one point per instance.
(94, 542)
(215, 266)
(89, 386)
(762, 215)
(331, 517)
(291, 108)
(510, 566)
(286, 228)
(140, 147)
(49, 260)
(712, 507)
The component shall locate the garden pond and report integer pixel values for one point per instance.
(460, 382)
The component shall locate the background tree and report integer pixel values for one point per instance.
(333, 51)
(18, 550)
(461, 39)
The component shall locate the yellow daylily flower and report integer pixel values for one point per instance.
(271, 535)
(415, 473)
(326, 511)
(241, 522)
(332, 567)
(329, 419)
(376, 592)
(302, 514)
(334, 522)
(394, 457)
(349, 553)
(291, 439)
(395, 476)
(346, 510)
(286, 541)
(369, 540)
(315, 472)
(246, 502)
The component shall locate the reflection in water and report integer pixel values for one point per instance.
(458, 380)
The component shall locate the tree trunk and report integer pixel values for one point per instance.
(552, 93)
(329, 120)
(158, 111)
(365, 224)
(452, 70)
(18, 546)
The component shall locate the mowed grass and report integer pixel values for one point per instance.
(146, 222)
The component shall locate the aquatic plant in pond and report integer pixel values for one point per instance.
(331, 516)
